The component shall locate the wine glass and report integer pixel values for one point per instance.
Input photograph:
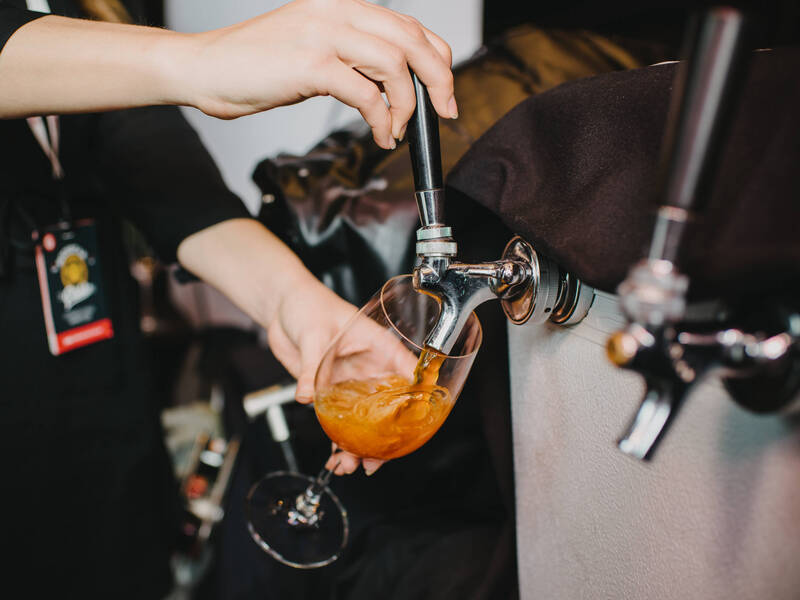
(378, 393)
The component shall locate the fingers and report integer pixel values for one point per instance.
(442, 47)
(403, 361)
(427, 54)
(371, 465)
(305, 388)
(342, 463)
(352, 88)
(382, 62)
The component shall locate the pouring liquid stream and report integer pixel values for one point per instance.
(386, 417)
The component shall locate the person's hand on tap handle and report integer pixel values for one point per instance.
(349, 49)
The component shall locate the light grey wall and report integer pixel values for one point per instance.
(237, 146)
(715, 515)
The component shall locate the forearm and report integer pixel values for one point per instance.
(349, 49)
(49, 64)
(247, 263)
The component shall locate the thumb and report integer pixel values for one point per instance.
(310, 355)
(371, 465)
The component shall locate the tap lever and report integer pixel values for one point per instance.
(423, 142)
(434, 238)
(706, 90)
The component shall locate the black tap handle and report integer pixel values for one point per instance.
(423, 141)
(707, 86)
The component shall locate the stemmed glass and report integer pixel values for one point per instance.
(379, 393)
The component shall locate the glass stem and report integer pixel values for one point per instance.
(320, 483)
(306, 508)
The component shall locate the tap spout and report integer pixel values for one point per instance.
(668, 380)
(461, 287)
(660, 403)
(529, 286)
(458, 295)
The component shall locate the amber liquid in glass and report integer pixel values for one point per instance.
(386, 417)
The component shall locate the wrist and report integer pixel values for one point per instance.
(247, 263)
(173, 60)
(293, 290)
(192, 72)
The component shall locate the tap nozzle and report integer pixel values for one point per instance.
(673, 359)
(530, 287)
(668, 378)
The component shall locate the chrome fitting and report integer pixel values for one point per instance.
(654, 293)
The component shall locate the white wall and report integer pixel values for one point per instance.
(237, 146)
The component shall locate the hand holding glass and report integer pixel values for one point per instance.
(379, 393)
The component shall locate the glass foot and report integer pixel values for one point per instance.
(296, 521)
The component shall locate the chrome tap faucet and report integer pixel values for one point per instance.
(529, 286)
(670, 350)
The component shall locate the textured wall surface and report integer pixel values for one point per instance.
(715, 515)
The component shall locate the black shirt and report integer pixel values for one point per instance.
(87, 499)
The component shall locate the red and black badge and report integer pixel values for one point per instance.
(70, 281)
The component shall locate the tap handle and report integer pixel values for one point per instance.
(423, 141)
(707, 87)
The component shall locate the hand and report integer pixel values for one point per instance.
(344, 463)
(267, 281)
(349, 49)
(263, 277)
(308, 317)
(362, 349)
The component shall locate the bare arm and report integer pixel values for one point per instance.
(245, 261)
(263, 277)
(349, 49)
(60, 65)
